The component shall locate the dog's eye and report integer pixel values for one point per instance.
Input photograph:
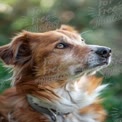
(61, 45)
(82, 40)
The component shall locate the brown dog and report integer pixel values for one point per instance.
(53, 78)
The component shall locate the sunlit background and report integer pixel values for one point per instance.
(98, 21)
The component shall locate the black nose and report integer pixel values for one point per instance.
(103, 52)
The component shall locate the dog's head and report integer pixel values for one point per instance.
(58, 54)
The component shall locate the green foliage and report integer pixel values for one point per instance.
(4, 78)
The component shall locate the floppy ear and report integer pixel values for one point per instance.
(68, 28)
(17, 52)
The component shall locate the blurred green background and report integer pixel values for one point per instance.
(99, 21)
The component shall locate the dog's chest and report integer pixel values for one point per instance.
(72, 98)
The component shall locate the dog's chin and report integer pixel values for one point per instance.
(92, 68)
(101, 63)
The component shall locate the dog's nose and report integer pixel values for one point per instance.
(103, 52)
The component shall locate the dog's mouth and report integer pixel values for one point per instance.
(103, 62)
(95, 64)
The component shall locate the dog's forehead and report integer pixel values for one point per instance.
(71, 37)
(61, 35)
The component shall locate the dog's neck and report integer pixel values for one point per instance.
(71, 97)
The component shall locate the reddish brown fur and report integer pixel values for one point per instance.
(26, 54)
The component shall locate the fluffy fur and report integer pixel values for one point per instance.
(54, 69)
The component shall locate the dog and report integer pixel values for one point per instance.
(53, 78)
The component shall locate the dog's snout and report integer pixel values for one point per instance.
(103, 51)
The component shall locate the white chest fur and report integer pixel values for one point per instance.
(72, 98)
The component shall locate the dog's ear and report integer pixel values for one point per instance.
(17, 52)
(68, 28)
